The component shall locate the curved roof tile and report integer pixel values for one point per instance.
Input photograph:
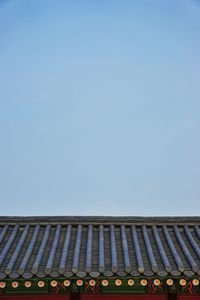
(98, 246)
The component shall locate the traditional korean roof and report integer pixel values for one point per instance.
(99, 246)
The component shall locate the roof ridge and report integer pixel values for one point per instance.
(101, 219)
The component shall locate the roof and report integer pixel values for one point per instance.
(99, 246)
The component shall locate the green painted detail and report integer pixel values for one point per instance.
(137, 288)
(21, 289)
(85, 289)
(124, 288)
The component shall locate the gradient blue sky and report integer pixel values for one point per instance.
(99, 107)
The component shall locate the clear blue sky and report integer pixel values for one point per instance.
(100, 107)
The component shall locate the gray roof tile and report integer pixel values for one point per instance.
(99, 246)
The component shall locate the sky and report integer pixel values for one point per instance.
(100, 107)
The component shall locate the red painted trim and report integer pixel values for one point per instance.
(185, 297)
(124, 297)
(35, 297)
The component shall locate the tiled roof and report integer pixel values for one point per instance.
(99, 246)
